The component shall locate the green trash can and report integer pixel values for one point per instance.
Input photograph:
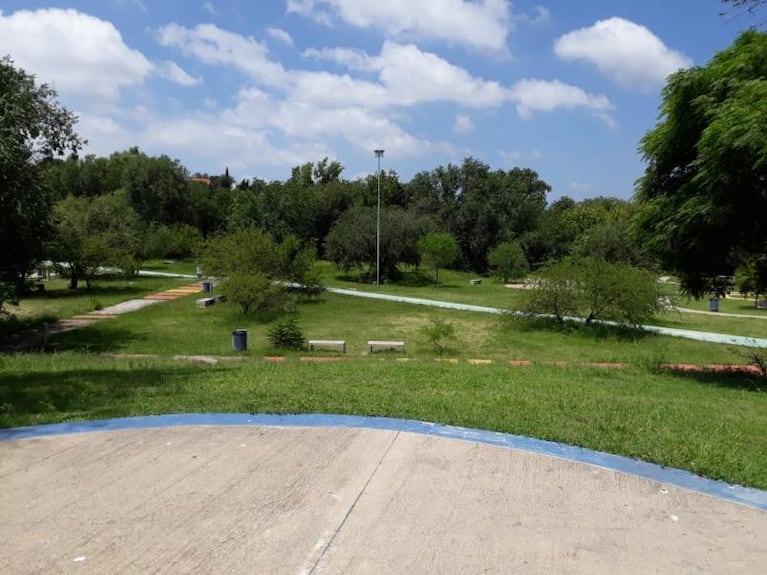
(240, 339)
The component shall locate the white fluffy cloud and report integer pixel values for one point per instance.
(213, 45)
(176, 74)
(546, 95)
(482, 24)
(628, 52)
(80, 54)
(463, 124)
(280, 35)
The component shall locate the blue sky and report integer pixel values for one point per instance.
(566, 88)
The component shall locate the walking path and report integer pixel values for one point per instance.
(720, 314)
(335, 494)
(39, 337)
(674, 332)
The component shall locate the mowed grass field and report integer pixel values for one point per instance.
(714, 424)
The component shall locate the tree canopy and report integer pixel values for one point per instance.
(703, 197)
(34, 127)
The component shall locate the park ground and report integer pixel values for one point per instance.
(498, 374)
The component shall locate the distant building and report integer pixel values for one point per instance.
(201, 179)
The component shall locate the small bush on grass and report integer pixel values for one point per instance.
(437, 333)
(508, 261)
(254, 292)
(286, 334)
(595, 290)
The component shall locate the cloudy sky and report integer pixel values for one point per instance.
(565, 87)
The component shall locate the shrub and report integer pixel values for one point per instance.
(595, 290)
(437, 333)
(286, 334)
(508, 261)
(439, 250)
(254, 292)
(553, 292)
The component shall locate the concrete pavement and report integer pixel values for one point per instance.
(262, 499)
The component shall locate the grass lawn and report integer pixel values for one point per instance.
(711, 423)
(454, 287)
(59, 302)
(188, 267)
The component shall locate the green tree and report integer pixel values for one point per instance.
(508, 261)
(751, 277)
(703, 196)
(91, 233)
(34, 128)
(259, 272)
(595, 290)
(351, 243)
(438, 249)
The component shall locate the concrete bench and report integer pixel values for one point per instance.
(205, 302)
(762, 304)
(374, 345)
(475, 282)
(336, 344)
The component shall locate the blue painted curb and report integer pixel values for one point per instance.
(677, 477)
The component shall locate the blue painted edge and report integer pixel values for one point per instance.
(677, 477)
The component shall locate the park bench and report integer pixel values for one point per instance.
(762, 304)
(475, 282)
(205, 302)
(337, 344)
(374, 345)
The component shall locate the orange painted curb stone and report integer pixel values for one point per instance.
(321, 359)
(734, 368)
(605, 365)
(683, 367)
(274, 359)
(519, 362)
(557, 363)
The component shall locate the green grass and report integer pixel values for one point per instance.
(58, 301)
(709, 424)
(188, 267)
(178, 327)
(455, 287)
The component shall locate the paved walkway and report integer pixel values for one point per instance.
(316, 495)
(720, 313)
(38, 338)
(674, 332)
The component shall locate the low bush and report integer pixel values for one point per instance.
(286, 334)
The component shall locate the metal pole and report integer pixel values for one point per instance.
(378, 154)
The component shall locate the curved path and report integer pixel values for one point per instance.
(671, 331)
(325, 494)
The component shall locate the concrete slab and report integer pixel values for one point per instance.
(126, 307)
(259, 499)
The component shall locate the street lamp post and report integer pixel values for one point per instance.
(378, 154)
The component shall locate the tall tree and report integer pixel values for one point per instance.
(438, 249)
(34, 128)
(703, 197)
(95, 232)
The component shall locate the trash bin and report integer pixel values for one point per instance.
(207, 287)
(713, 304)
(240, 339)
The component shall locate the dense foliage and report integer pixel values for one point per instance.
(594, 289)
(34, 127)
(703, 198)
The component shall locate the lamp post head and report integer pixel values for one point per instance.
(378, 153)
